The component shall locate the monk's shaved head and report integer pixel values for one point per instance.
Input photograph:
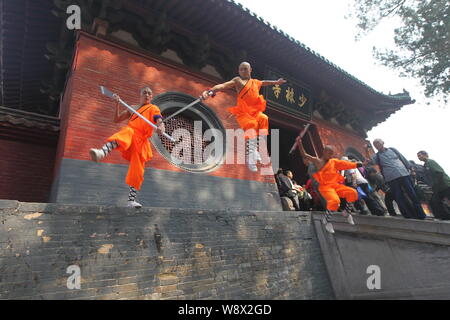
(245, 70)
(148, 89)
(146, 95)
(329, 148)
(328, 152)
(245, 64)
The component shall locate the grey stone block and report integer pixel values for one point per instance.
(9, 204)
(412, 256)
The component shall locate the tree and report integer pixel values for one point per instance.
(422, 40)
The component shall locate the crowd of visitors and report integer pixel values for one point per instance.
(386, 183)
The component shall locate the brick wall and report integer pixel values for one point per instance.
(340, 138)
(158, 254)
(26, 170)
(86, 122)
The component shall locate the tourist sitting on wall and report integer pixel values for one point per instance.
(303, 196)
(277, 177)
(440, 183)
(287, 188)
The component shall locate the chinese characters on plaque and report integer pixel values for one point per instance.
(289, 96)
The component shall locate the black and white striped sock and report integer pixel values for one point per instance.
(109, 147)
(133, 194)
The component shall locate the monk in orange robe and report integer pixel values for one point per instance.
(249, 111)
(132, 141)
(328, 179)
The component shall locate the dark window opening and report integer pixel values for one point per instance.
(294, 161)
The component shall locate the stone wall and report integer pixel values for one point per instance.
(125, 253)
(410, 257)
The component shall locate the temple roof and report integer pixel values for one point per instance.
(404, 97)
(36, 49)
(26, 28)
(29, 119)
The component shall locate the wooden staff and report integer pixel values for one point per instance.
(108, 93)
(302, 134)
(210, 93)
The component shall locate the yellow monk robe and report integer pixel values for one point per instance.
(134, 144)
(249, 110)
(330, 183)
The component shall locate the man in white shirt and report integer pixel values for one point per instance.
(357, 180)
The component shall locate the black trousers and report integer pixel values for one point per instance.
(440, 210)
(389, 202)
(402, 189)
(372, 203)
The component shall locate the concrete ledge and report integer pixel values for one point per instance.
(438, 293)
(9, 204)
(57, 208)
(392, 227)
(413, 257)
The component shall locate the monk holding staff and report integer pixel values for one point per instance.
(249, 111)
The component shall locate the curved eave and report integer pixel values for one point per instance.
(332, 68)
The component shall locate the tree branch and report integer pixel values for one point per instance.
(401, 3)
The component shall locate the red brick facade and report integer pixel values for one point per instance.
(340, 138)
(28, 168)
(89, 113)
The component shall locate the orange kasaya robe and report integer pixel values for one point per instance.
(330, 183)
(249, 110)
(134, 145)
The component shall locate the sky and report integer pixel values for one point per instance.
(322, 26)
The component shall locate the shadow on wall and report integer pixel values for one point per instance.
(86, 182)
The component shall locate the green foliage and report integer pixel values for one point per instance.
(422, 40)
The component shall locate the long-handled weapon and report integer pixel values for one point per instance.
(210, 93)
(108, 93)
(302, 134)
